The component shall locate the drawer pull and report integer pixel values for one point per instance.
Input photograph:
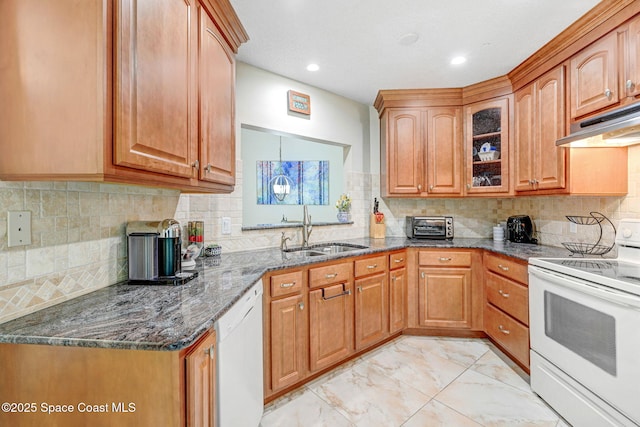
(301, 305)
(287, 285)
(503, 330)
(393, 278)
(399, 260)
(344, 292)
(331, 276)
(443, 259)
(359, 288)
(503, 268)
(371, 267)
(503, 293)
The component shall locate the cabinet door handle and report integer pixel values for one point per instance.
(468, 186)
(301, 305)
(393, 278)
(443, 259)
(608, 93)
(195, 165)
(419, 187)
(431, 188)
(207, 168)
(422, 275)
(343, 293)
(371, 267)
(211, 351)
(331, 276)
(503, 293)
(503, 330)
(399, 260)
(630, 85)
(503, 268)
(359, 288)
(287, 285)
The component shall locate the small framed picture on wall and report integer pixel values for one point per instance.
(299, 102)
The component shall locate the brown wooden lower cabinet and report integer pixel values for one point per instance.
(397, 300)
(288, 341)
(109, 387)
(371, 308)
(330, 325)
(508, 333)
(445, 297)
(201, 383)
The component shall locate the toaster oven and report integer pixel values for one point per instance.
(429, 227)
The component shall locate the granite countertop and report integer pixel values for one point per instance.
(173, 317)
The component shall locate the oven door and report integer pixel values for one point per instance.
(590, 332)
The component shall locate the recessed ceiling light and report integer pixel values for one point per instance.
(409, 39)
(313, 67)
(458, 60)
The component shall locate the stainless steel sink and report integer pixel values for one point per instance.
(336, 248)
(325, 249)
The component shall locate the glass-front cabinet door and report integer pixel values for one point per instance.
(487, 147)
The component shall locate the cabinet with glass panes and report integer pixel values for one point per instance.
(487, 147)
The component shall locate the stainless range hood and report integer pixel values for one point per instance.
(617, 128)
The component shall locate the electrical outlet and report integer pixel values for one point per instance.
(226, 225)
(573, 227)
(18, 228)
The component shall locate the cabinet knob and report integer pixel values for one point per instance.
(393, 278)
(503, 330)
(359, 288)
(301, 305)
(207, 168)
(608, 93)
(630, 85)
(420, 187)
(468, 186)
(196, 164)
(211, 351)
(422, 275)
(431, 188)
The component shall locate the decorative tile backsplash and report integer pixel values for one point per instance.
(78, 229)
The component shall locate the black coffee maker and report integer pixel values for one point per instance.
(520, 229)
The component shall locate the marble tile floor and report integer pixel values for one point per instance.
(417, 382)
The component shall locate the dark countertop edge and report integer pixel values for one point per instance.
(513, 250)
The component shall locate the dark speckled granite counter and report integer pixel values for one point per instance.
(172, 318)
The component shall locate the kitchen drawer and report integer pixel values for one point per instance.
(506, 267)
(397, 260)
(334, 273)
(445, 258)
(510, 334)
(286, 283)
(365, 267)
(508, 296)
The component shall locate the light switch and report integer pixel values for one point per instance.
(18, 228)
(226, 225)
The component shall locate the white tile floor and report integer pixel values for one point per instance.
(417, 382)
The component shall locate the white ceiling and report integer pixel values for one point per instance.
(357, 43)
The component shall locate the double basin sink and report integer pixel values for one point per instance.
(325, 249)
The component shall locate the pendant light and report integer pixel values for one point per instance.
(280, 184)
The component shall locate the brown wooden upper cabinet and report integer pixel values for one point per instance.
(124, 104)
(539, 122)
(487, 147)
(607, 73)
(421, 151)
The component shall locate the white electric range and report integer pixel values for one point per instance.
(585, 333)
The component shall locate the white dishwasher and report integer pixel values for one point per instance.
(240, 396)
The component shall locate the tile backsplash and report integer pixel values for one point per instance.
(78, 229)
